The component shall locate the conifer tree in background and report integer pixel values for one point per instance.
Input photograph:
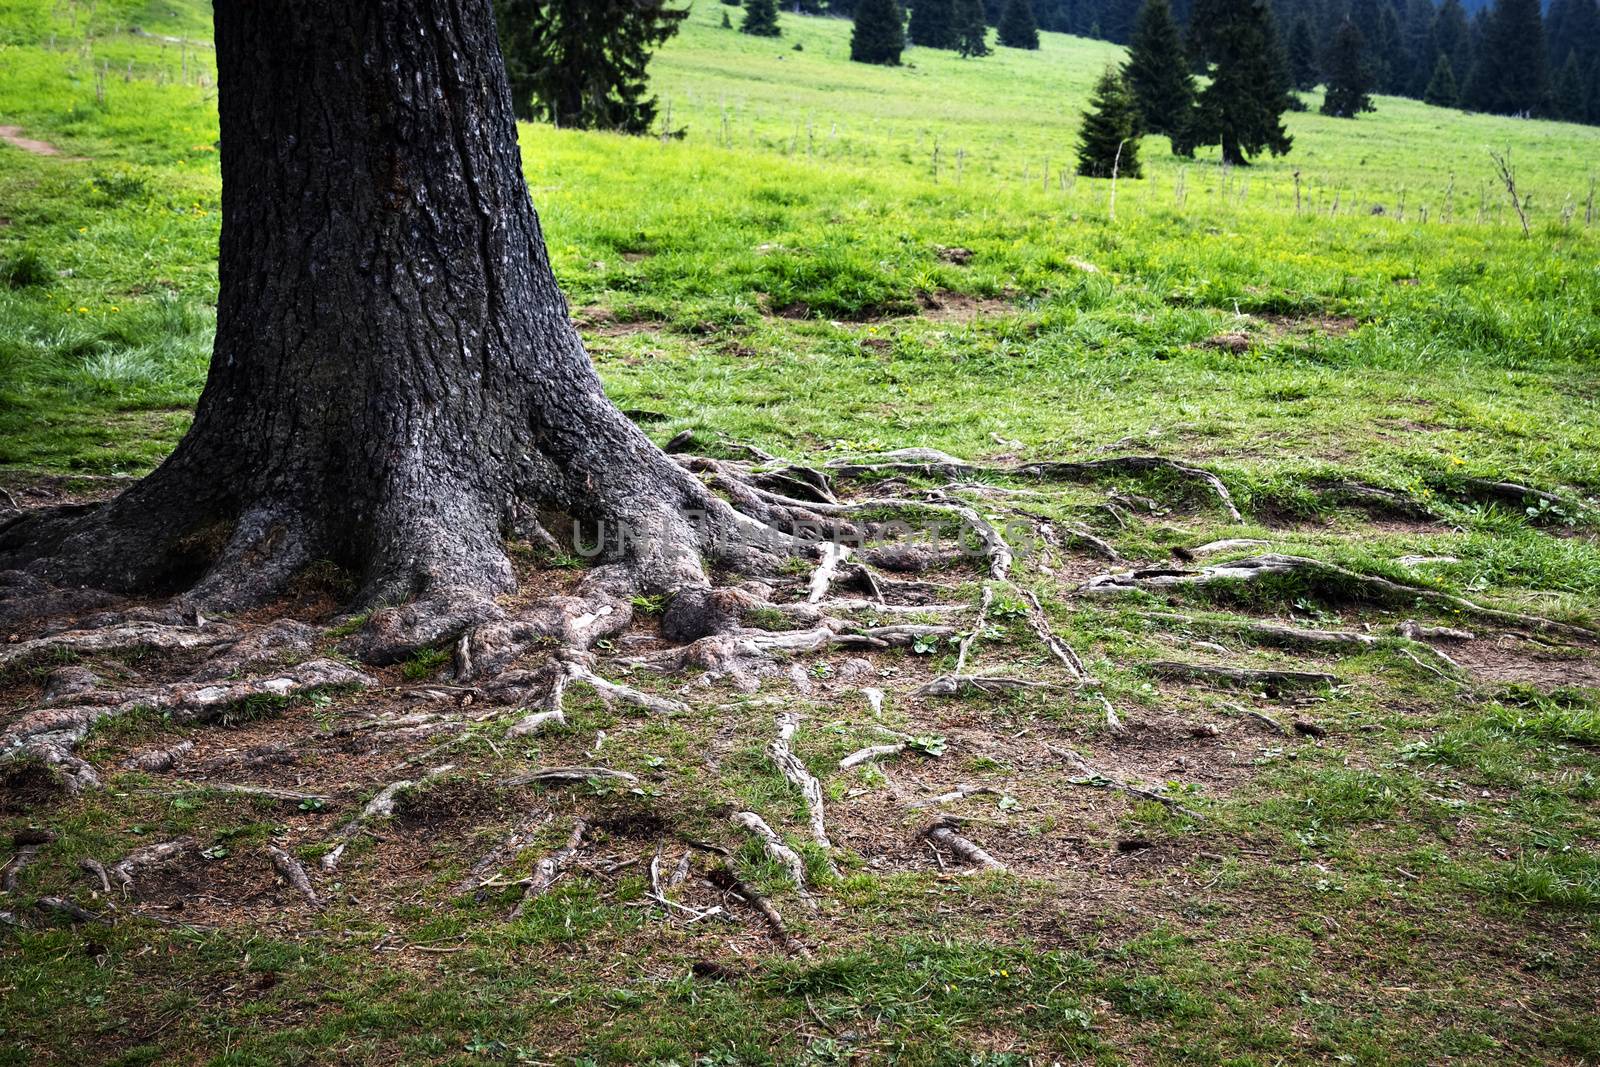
(1242, 108)
(1510, 73)
(933, 23)
(1367, 16)
(972, 29)
(1569, 95)
(879, 36)
(1017, 26)
(1348, 71)
(581, 63)
(1417, 38)
(1441, 90)
(1305, 70)
(1157, 72)
(1108, 142)
(1452, 38)
(761, 18)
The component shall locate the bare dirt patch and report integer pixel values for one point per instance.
(12, 135)
(948, 306)
(1507, 658)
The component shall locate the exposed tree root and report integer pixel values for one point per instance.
(1261, 717)
(931, 463)
(51, 733)
(265, 792)
(1241, 677)
(160, 760)
(124, 637)
(567, 776)
(550, 868)
(960, 792)
(123, 871)
(1255, 568)
(1088, 776)
(781, 751)
(380, 806)
(732, 883)
(942, 832)
(294, 874)
(515, 841)
(25, 848)
(774, 847)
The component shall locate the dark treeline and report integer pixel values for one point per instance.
(1509, 57)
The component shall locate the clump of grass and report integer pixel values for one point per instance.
(26, 270)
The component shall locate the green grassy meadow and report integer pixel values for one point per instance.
(797, 272)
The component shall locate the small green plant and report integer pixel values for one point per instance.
(650, 604)
(424, 663)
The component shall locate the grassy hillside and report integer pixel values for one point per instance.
(1410, 875)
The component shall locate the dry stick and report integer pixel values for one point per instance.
(293, 873)
(1508, 178)
(781, 752)
(1262, 717)
(943, 833)
(548, 869)
(1088, 776)
(774, 847)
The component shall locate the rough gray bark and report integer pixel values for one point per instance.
(396, 382)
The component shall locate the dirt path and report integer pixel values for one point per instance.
(12, 135)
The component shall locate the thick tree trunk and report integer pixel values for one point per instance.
(395, 378)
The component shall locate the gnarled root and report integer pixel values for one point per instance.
(549, 868)
(774, 847)
(380, 806)
(1255, 568)
(781, 752)
(292, 872)
(942, 833)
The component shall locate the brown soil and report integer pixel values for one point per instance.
(12, 135)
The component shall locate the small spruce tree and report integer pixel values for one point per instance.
(1157, 71)
(1018, 29)
(972, 29)
(879, 36)
(933, 23)
(1441, 90)
(1108, 142)
(1349, 72)
(1304, 70)
(761, 18)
